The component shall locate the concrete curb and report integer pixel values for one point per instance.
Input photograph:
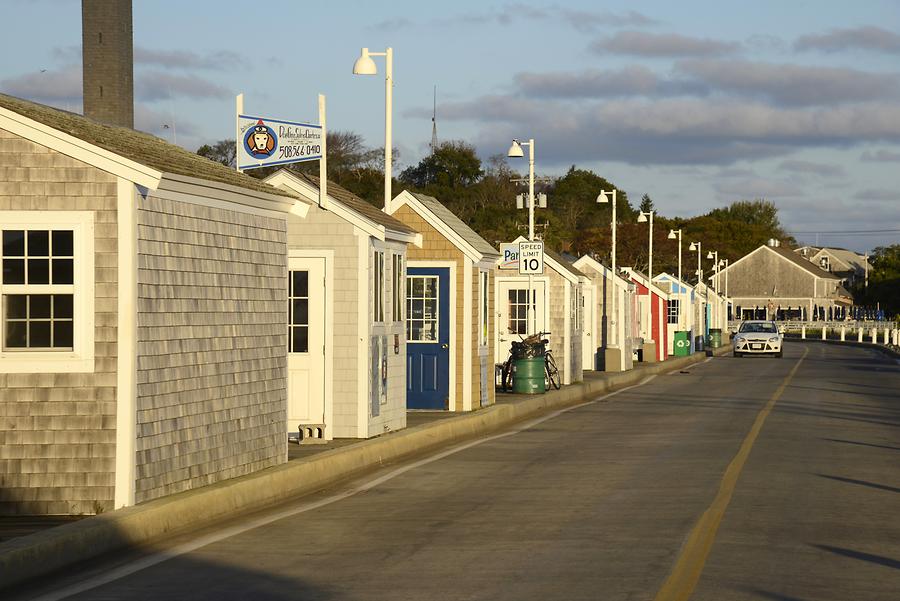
(29, 557)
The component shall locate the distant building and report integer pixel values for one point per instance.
(851, 267)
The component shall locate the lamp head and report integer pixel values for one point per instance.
(672, 235)
(364, 65)
(515, 151)
(694, 246)
(709, 255)
(602, 198)
(642, 217)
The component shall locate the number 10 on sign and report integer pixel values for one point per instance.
(531, 258)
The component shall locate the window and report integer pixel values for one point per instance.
(397, 278)
(46, 292)
(483, 292)
(674, 309)
(379, 286)
(298, 311)
(518, 311)
(422, 308)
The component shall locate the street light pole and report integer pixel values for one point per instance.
(366, 66)
(643, 217)
(672, 235)
(602, 198)
(515, 151)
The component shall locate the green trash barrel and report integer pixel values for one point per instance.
(681, 344)
(715, 338)
(528, 376)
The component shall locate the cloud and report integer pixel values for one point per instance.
(59, 87)
(808, 167)
(793, 85)
(152, 86)
(585, 21)
(588, 21)
(758, 187)
(713, 131)
(634, 80)
(879, 195)
(880, 156)
(869, 38)
(186, 59)
(661, 45)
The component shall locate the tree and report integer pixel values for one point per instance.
(646, 203)
(454, 164)
(222, 152)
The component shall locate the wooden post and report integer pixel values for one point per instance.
(824, 332)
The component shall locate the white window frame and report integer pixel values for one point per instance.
(436, 319)
(379, 273)
(81, 358)
(398, 292)
(676, 304)
(484, 309)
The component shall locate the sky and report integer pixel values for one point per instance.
(696, 103)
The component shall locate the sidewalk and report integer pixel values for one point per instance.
(310, 468)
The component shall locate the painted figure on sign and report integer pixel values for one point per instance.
(260, 141)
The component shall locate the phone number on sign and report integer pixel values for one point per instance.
(290, 152)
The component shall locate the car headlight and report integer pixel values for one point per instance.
(774, 339)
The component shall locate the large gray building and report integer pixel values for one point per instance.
(143, 324)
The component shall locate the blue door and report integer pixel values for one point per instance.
(427, 338)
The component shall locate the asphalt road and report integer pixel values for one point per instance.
(754, 478)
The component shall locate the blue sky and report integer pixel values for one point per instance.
(696, 103)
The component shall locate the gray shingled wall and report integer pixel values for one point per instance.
(57, 431)
(211, 345)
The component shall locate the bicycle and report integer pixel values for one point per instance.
(520, 350)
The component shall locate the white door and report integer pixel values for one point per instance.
(512, 313)
(589, 338)
(306, 343)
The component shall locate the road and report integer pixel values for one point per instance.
(743, 479)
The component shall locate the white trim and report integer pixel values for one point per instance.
(126, 346)
(78, 149)
(603, 271)
(328, 256)
(270, 201)
(192, 196)
(81, 358)
(467, 338)
(362, 330)
(567, 334)
(405, 198)
(452, 339)
(517, 279)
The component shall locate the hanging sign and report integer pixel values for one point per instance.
(264, 142)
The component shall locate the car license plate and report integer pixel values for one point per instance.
(756, 346)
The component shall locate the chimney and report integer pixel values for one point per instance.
(107, 49)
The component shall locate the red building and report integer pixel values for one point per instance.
(659, 305)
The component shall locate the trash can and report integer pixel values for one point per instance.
(682, 344)
(715, 338)
(528, 376)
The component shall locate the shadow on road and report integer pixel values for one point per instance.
(860, 482)
(773, 596)
(879, 559)
(863, 444)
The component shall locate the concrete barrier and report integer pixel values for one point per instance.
(28, 557)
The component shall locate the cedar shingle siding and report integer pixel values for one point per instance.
(211, 379)
(57, 431)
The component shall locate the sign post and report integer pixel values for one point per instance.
(531, 263)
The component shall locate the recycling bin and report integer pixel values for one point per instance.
(715, 338)
(528, 376)
(682, 344)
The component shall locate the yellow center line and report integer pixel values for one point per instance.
(680, 584)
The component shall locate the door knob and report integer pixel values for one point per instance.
(445, 346)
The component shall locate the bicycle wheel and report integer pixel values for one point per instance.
(506, 376)
(552, 371)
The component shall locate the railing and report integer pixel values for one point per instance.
(876, 332)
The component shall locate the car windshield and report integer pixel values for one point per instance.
(765, 328)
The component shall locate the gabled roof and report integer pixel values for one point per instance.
(347, 199)
(557, 263)
(642, 279)
(852, 260)
(135, 146)
(455, 229)
(674, 279)
(566, 265)
(587, 262)
(789, 256)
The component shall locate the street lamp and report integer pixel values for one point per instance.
(515, 151)
(364, 65)
(714, 254)
(696, 246)
(673, 234)
(644, 217)
(603, 198)
(725, 263)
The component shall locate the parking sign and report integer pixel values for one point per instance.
(531, 258)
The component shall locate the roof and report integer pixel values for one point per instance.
(456, 224)
(587, 261)
(848, 257)
(804, 263)
(137, 146)
(354, 202)
(563, 263)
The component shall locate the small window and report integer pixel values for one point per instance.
(397, 294)
(673, 311)
(483, 293)
(379, 286)
(518, 310)
(422, 308)
(298, 311)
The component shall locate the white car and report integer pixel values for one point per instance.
(757, 338)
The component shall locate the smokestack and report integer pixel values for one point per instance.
(107, 49)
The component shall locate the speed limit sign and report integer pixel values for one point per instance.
(531, 258)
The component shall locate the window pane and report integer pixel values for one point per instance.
(417, 309)
(63, 243)
(39, 334)
(39, 306)
(62, 334)
(430, 333)
(301, 312)
(14, 243)
(431, 287)
(62, 306)
(39, 243)
(301, 283)
(62, 271)
(16, 334)
(16, 306)
(13, 271)
(417, 288)
(415, 330)
(301, 339)
(38, 271)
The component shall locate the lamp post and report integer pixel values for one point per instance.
(364, 65)
(714, 255)
(696, 246)
(673, 234)
(603, 198)
(515, 151)
(644, 217)
(725, 263)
